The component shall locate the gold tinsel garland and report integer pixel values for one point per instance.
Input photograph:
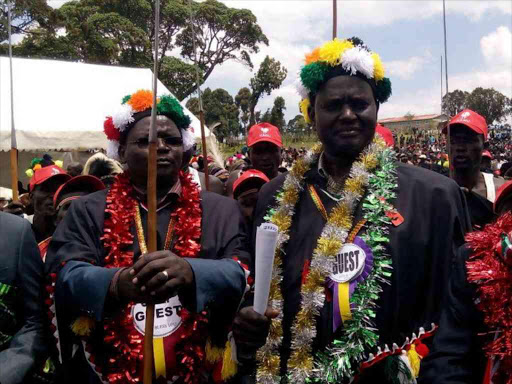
(334, 234)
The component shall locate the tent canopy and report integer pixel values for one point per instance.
(61, 105)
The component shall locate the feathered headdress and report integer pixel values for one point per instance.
(141, 101)
(353, 56)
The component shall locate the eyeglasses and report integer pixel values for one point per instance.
(169, 142)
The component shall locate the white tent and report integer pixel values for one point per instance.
(61, 106)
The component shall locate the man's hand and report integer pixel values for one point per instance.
(15, 208)
(155, 277)
(251, 329)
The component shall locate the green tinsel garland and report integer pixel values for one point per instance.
(342, 359)
(8, 323)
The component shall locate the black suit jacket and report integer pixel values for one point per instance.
(21, 267)
(422, 249)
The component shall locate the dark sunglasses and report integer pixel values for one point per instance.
(168, 141)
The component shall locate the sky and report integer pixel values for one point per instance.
(408, 35)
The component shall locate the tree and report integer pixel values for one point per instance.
(257, 117)
(454, 102)
(491, 104)
(266, 117)
(219, 107)
(277, 114)
(24, 15)
(178, 75)
(221, 34)
(270, 76)
(242, 101)
(297, 126)
(121, 32)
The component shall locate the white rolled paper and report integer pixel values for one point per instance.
(266, 242)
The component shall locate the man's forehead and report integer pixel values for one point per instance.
(341, 85)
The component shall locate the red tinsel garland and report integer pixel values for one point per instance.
(486, 269)
(121, 338)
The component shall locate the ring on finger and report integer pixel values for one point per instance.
(166, 275)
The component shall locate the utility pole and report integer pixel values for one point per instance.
(445, 48)
(334, 19)
(441, 83)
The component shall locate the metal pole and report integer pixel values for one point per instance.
(441, 83)
(445, 47)
(448, 147)
(334, 19)
(152, 203)
(14, 144)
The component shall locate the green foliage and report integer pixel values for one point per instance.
(257, 117)
(219, 107)
(491, 104)
(298, 126)
(242, 101)
(266, 117)
(178, 75)
(270, 76)
(454, 102)
(277, 113)
(24, 14)
(221, 34)
(121, 32)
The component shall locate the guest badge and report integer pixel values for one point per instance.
(167, 317)
(349, 263)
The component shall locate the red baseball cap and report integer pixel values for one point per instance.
(487, 154)
(264, 132)
(85, 183)
(503, 193)
(43, 174)
(258, 177)
(386, 134)
(472, 120)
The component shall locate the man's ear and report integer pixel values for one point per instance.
(122, 151)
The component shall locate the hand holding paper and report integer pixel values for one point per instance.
(266, 242)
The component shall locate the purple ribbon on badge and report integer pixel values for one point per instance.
(347, 273)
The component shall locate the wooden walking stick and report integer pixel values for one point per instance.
(14, 146)
(200, 101)
(152, 218)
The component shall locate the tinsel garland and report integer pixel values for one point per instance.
(123, 341)
(487, 269)
(342, 358)
(8, 323)
(376, 157)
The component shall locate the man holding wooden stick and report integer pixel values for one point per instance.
(103, 276)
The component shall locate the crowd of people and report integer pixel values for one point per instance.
(393, 263)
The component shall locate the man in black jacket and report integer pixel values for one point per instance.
(420, 233)
(104, 276)
(22, 342)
